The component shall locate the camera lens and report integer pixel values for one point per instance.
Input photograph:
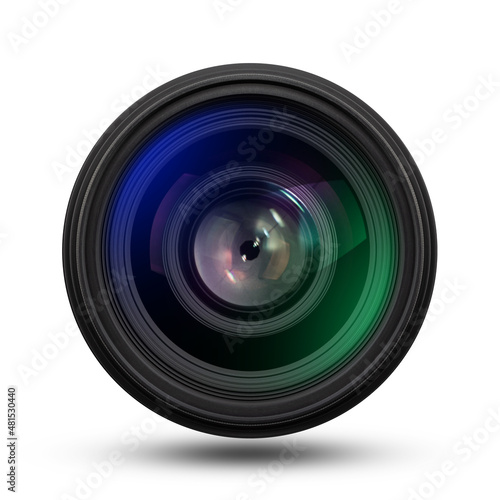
(249, 250)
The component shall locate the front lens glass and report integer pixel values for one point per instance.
(257, 248)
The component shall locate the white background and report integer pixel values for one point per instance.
(421, 70)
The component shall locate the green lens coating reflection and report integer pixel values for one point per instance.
(339, 201)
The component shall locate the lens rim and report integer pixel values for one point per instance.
(97, 315)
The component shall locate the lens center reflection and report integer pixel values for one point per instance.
(249, 250)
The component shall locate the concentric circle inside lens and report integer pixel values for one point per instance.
(246, 248)
(265, 243)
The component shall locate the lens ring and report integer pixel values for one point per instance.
(307, 204)
(379, 187)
